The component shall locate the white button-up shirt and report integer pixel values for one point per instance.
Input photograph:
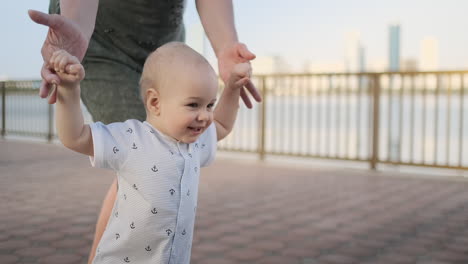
(153, 217)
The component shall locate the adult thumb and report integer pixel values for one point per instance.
(244, 52)
(52, 21)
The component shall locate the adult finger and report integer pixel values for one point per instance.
(44, 89)
(244, 52)
(49, 76)
(253, 91)
(245, 98)
(52, 98)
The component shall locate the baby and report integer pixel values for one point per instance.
(157, 161)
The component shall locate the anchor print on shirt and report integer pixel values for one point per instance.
(169, 232)
(196, 145)
(135, 187)
(117, 214)
(132, 225)
(190, 154)
(134, 146)
(154, 211)
(203, 146)
(172, 153)
(115, 150)
(188, 193)
(125, 196)
(172, 191)
(154, 169)
(183, 232)
(126, 259)
(152, 131)
(117, 236)
(129, 130)
(148, 248)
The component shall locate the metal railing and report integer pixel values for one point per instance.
(401, 118)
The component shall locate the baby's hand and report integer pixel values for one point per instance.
(67, 67)
(240, 75)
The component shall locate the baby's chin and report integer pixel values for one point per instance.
(189, 140)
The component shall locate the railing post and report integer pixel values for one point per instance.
(262, 113)
(3, 86)
(50, 134)
(375, 121)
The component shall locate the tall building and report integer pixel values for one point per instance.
(429, 54)
(394, 48)
(354, 53)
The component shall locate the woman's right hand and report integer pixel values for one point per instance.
(63, 34)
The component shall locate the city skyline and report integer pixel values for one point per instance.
(299, 33)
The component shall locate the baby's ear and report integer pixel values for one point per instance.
(153, 101)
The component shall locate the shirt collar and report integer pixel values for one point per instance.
(173, 144)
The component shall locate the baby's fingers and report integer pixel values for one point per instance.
(243, 70)
(62, 63)
(76, 70)
(242, 82)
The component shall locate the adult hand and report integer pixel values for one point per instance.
(63, 34)
(227, 59)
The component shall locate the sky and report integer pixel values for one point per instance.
(297, 30)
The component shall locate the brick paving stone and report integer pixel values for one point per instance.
(209, 248)
(354, 250)
(61, 258)
(13, 244)
(215, 260)
(245, 254)
(26, 231)
(457, 248)
(35, 251)
(240, 239)
(451, 257)
(47, 237)
(300, 252)
(412, 249)
(278, 260)
(196, 256)
(84, 251)
(9, 259)
(396, 258)
(208, 234)
(69, 243)
(4, 236)
(77, 230)
(268, 245)
(337, 259)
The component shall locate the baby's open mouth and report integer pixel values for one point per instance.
(195, 129)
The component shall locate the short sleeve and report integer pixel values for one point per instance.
(208, 141)
(110, 144)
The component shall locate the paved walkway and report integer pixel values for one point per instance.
(248, 212)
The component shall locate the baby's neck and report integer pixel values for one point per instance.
(157, 125)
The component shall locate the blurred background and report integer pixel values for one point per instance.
(295, 36)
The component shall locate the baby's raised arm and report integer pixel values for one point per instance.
(72, 131)
(226, 111)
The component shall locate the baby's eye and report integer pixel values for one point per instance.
(194, 105)
(210, 106)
